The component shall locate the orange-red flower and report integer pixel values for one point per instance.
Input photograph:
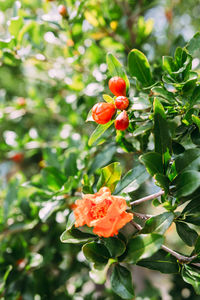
(106, 213)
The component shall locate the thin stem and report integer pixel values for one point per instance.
(181, 258)
(137, 226)
(142, 216)
(150, 197)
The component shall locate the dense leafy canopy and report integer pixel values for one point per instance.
(53, 69)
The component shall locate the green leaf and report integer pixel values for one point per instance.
(70, 221)
(194, 44)
(160, 261)
(195, 136)
(108, 99)
(121, 282)
(115, 246)
(53, 178)
(142, 129)
(116, 69)
(3, 280)
(162, 181)
(196, 120)
(100, 276)
(162, 136)
(102, 158)
(168, 64)
(192, 207)
(197, 245)
(191, 275)
(70, 164)
(110, 175)
(186, 183)
(143, 246)
(158, 223)
(7, 43)
(75, 236)
(89, 117)
(188, 235)
(132, 180)
(163, 93)
(15, 26)
(96, 253)
(188, 160)
(139, 67)
(100, 129)
(10, 197)
(153, 162)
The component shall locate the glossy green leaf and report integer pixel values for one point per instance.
(99, 276)
(121, 282)
(75, 236)
(102, 158)
(162, 181)
(115, 246)
(162, 136)
(96, 253)
(110, 175)
(142, 129)
(188, 160)
(97, 133)
(153, 162)
(132, 180)
(187, 234)
(186, 183)
(159, 223)
(139, 67)
(116, 69)
(192, 207)
(143, 246)
(168, 64)
(160, 261)
(194, 44)
(163, 93)
(191, 275)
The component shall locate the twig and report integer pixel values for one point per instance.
(142, 216)
(181, 258)
(150, 197)
(137, 226)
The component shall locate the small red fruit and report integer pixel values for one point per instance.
(122, 121)
(117, 86)
(18, 157)
(62, 10)
(103, 112)
(121, 102)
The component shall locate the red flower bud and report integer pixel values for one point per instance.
(117, 86)
(121, 102)
(122, 121)
(62, 10)
(103, 112)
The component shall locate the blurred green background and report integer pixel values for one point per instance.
(52, 71)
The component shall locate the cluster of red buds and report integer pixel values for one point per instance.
(103, 112)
